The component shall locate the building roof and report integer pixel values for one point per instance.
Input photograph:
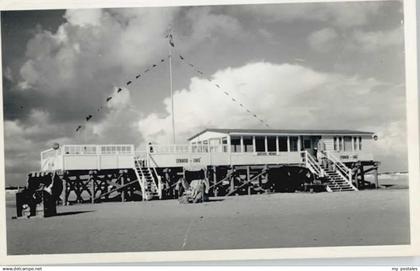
(283, 131)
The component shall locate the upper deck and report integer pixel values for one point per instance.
(214, 149)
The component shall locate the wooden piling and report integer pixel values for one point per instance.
(123, 189)
(92, 196)
(248, 179)
(214, 181)
(65, 191)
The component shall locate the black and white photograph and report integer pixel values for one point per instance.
(234, 126)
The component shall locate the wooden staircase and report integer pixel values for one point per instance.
(336, 182)
(149, 180)
(338, 176)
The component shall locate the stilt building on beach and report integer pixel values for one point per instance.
(234, 161)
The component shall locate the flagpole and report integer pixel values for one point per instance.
(172, 96)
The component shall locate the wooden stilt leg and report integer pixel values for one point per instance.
(64, 191)
(232, 182)
(214, 181)
(92, 196)
(123, 189)
(247, 178)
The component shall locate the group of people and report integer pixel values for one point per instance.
(187, 190)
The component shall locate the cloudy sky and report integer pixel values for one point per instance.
(333, 66)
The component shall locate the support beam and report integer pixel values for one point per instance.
(247, 182)
(214, 181)
(92, 195)
(64, 190)
(242, 144)
(288, 144)
(265, 144)
(248, 179)
(253, 144)
(122, 189)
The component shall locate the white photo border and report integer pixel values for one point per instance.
(412, 100)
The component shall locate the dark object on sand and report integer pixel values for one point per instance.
(40, 197)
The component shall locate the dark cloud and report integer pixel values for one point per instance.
(60, 66)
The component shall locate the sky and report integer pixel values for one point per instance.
(300, 65)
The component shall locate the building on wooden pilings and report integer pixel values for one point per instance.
(235, 161)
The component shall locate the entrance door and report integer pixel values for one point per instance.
(310, 144)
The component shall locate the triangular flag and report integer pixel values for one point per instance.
(171, 41)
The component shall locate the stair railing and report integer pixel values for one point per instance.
(341, 169)
(159, 178)
(313, 165)
(141, 177)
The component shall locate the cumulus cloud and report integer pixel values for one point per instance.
(67, 74)
(297, 97)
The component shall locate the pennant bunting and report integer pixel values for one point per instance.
(171, 40)
(88, 117)
(108, 99)
(119, 90)
(129, 82)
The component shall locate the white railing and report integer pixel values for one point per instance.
(313, 165)
(140, 178)
(49, 153)
(186, 148)
(341, 169)
(97, 149)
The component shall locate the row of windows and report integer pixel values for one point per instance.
(92, 149)
(347, 143)
(272, 141)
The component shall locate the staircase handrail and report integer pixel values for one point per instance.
(341, 169)
(311, 163)
(159, 178)
(141, 178)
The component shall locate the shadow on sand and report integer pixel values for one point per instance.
(72, 213)
(214, 200)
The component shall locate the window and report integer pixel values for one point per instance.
(283, 143)
(260, 143)
(271, 144)
(235, 143)
(306, 143)
(335, 144)
(355, 143)
(293, 143)
(248, 145)
(347, 143)
(340, 143)
(360, 143)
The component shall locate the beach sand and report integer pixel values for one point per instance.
(376, 217)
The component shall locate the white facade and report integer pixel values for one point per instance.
(88, 157)
(213, 148)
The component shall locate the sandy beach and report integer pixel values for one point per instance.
(376, 217)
